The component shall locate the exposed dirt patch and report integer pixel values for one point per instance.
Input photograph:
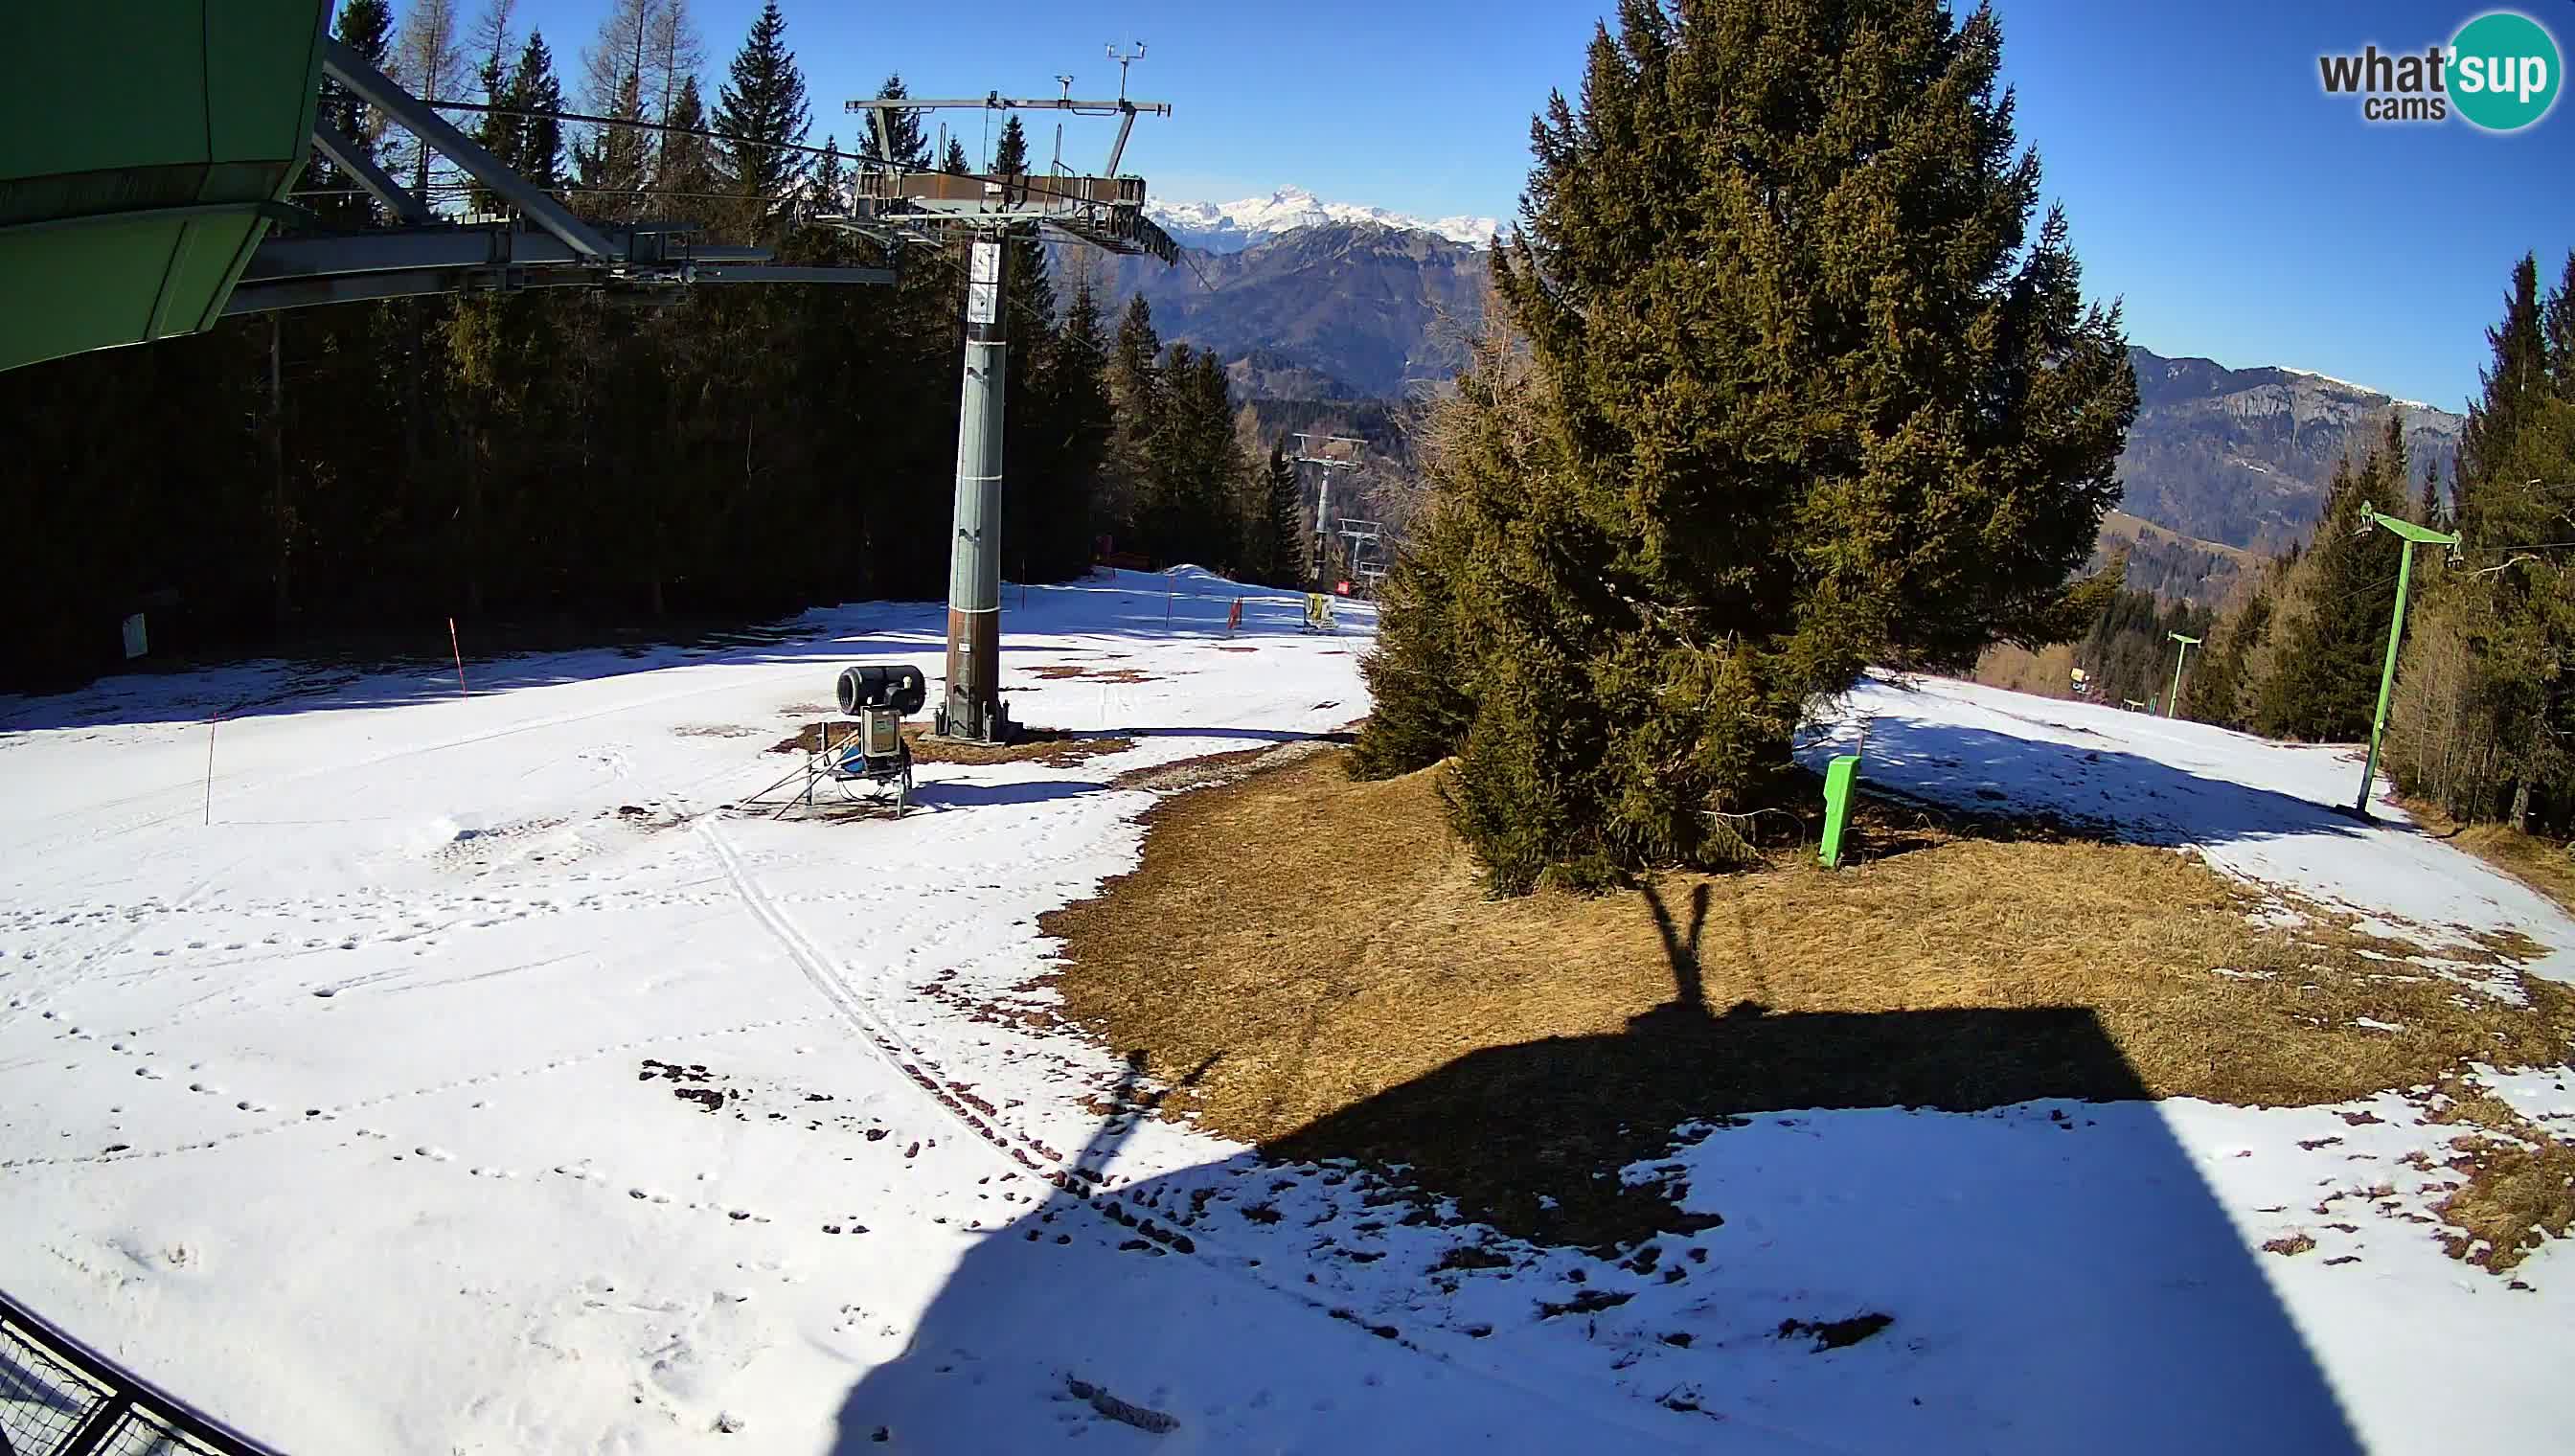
(1055, 748)
(716, 730)
(2289, 1245)
(1835, 1334)
(1371, 1003)
(1058, 672)
(1231, 767)
(2516, 1187)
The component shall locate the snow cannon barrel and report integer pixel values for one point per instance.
(901, 688)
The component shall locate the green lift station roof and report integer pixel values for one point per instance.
(145, 146)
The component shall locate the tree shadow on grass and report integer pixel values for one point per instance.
(1710, 1225)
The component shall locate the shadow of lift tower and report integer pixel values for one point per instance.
(897, 205)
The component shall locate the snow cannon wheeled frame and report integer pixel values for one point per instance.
(879, 699)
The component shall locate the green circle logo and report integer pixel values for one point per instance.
(2505, 71)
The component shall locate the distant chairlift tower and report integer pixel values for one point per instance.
(1328, 453)
(899, 205)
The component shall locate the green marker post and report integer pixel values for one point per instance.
(2172, 705)
(1838, 776)
(2414, 535)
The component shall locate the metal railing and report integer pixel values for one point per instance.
(58, 1397)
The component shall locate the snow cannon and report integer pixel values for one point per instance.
(901, 690)
(880, 698)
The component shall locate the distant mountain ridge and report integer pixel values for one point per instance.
(1336, 311)
(2242, 456)
(1362, 308)
(1232, 227)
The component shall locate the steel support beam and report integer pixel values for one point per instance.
(377, 90)
(397, 250)
(1118, 147)
(270, 295)
(765, 273)
(379, 183)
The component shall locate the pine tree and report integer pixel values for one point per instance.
(2484, 719)
(2216, 691)
(954, 163)
(1135, 398)
(1075, 386)
(762, 112)
(1814, 395)
(365, 26)
(831, 179)
(538, 148)
(906, 146)
(1193, 468)
(498, 129)
(1285, 526)
(613, 169)
(2514, 384)
(2321, 682)
(2429, 508)
(686, 177)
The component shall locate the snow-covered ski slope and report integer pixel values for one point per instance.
(2267, 813)
(475, 1083)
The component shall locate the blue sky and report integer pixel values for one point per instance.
(2241, 214)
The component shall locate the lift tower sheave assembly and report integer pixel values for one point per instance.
(989, 209)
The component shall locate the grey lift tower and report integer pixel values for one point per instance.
(1328, 453)
(1105, 210)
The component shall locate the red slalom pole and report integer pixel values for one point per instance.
(460, 659)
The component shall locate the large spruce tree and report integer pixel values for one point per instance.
(365, 26)
(2321, 681)
(907, 146)
(539, 143)
(1283, 505)
(762, 114)
(1075, 388)
(2484, 719)
(1814, 395)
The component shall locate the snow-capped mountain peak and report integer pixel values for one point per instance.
(1231, 227)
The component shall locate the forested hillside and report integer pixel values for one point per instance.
(597, 457)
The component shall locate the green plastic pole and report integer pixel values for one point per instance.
(2172, 705)
(1837, 788)
(2386, 679)
(2413, 534)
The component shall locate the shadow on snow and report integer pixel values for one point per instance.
(2058, 1278)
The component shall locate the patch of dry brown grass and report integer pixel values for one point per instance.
(1328, 941)
(1054, 747)
(2517, 1196)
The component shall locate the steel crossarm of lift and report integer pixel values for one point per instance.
(549, 247)
(1105, 210)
